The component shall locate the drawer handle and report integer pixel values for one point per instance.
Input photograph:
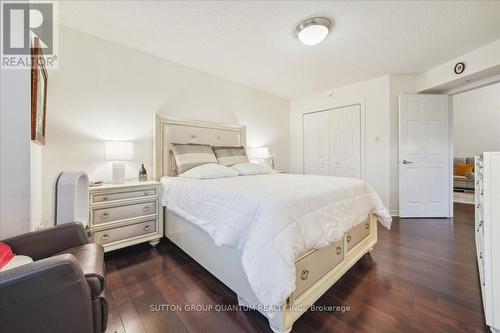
(104, 198)
(367, 226)
(304, 275)
(348, 238)
(146, 227)
(146, 209)
(480, 255)
(104, 214)
(104, 236)
(339, 249)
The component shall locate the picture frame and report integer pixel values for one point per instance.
(39, 80)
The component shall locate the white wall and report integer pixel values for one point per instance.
(399, 84)
(36, 193)
(15, 135)
(373, 95)
(103, 91)
(476, 121)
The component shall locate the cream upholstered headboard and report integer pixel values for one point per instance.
(169, 130)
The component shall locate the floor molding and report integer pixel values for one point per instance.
(394, 212)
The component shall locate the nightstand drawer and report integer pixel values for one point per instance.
(105, 215)
(129, 231)
(106, 197)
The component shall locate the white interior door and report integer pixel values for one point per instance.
(424, 156)
(345, 142)
(316, 144)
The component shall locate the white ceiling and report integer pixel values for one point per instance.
(252, 42)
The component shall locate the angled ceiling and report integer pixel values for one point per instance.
(252, 42)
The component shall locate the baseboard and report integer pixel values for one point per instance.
(394, 213)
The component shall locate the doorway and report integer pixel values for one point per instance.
(476, 129)
(439, 135)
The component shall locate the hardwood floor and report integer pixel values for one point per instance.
(421, 277)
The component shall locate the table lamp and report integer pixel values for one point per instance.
(261, 155)
(118, 151)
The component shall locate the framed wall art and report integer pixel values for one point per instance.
(38, 93)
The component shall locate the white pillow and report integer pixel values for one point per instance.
(16, 262)
(251, 169)
(209, 171)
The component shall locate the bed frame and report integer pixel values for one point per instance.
(316, 271)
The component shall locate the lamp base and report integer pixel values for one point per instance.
(118, 173)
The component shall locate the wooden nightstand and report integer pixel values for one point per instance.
(126, 214)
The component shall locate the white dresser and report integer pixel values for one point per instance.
(487, 223)
(125, 214)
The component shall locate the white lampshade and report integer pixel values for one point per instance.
(118, 150)
(258, 152)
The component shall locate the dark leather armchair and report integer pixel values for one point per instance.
(62, 291)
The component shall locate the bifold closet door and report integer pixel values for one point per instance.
(316, 143)
(345, 142)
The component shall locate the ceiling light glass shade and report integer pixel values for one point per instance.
(314, 30)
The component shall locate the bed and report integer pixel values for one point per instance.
(321, 226)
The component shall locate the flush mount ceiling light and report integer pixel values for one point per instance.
(313, 30)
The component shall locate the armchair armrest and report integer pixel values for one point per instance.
(49, 295)
(47, 242)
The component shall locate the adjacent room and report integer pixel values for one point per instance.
(249, 166)
(476, 114)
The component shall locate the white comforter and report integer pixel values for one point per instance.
(273, 219)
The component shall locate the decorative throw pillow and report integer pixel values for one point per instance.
(463, 169)
(230, 155)
(6, 254)
(16, 262)
(190, 155)
(172, 165)
(9, 260)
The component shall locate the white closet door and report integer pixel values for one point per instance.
(316, 143)
(310, 127)
(323, 143)
(345, 142)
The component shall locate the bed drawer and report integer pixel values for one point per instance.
(116, 234)
(106, 197)
(105, 215)
(314, 266)
(357, 234)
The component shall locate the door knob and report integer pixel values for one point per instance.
(407, 162)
